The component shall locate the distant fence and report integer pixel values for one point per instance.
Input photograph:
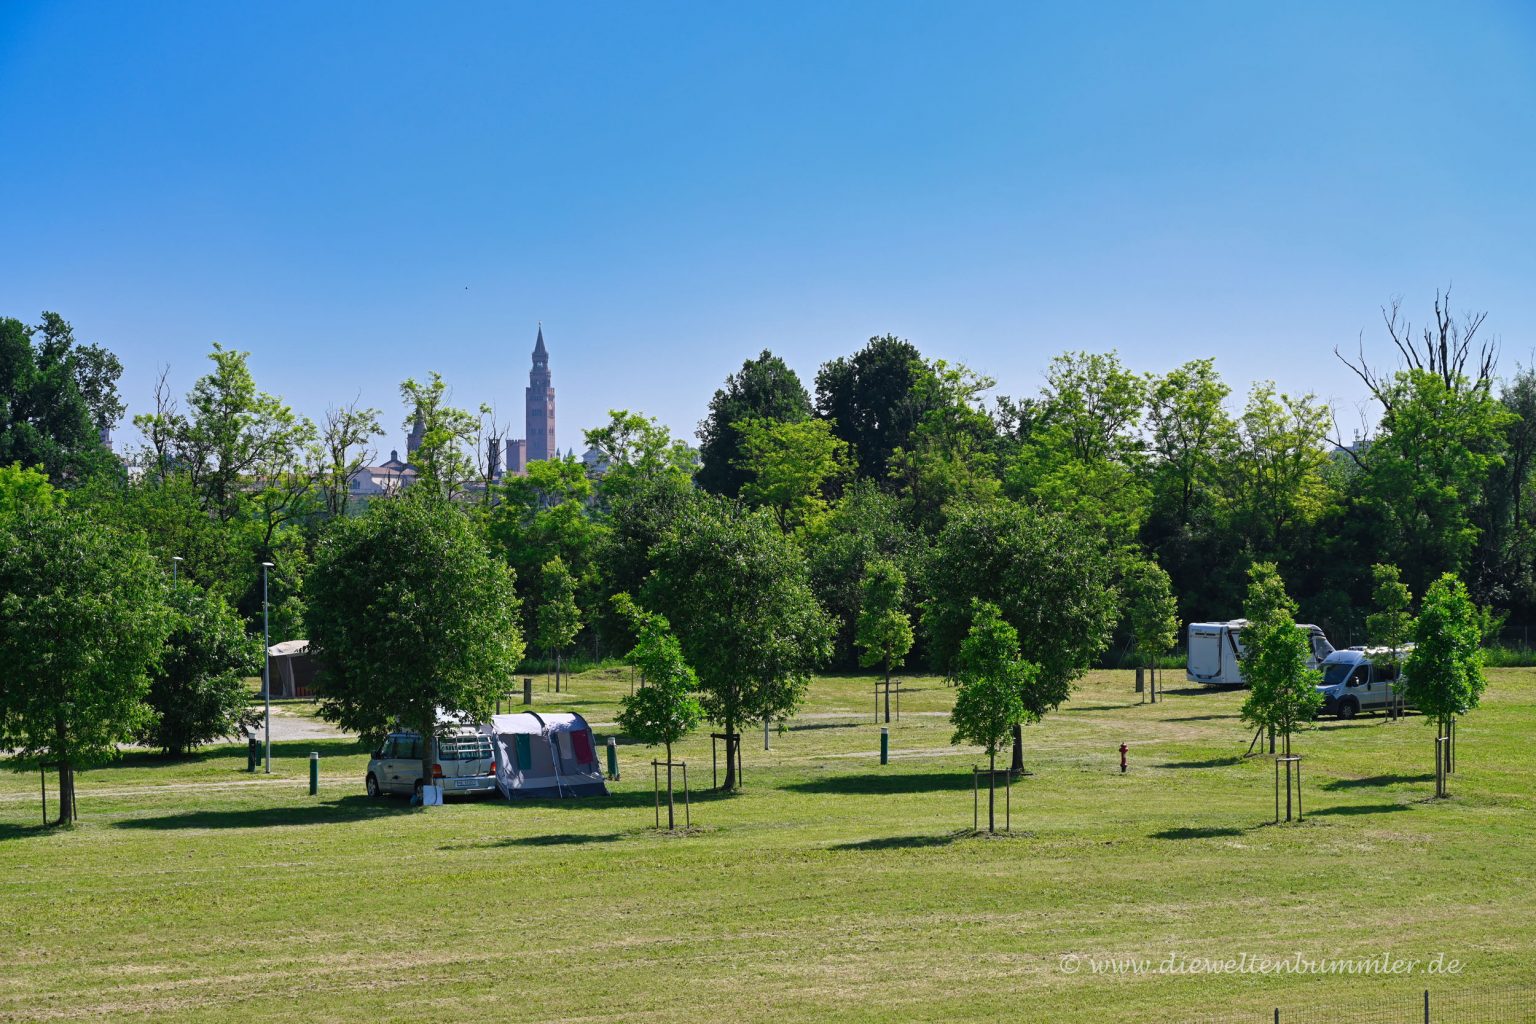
(1410, 1006)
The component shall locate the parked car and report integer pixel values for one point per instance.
(1359, 679)
(462, 762)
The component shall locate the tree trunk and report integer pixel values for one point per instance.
(671, 821)
(991, 792)
(557, 671)
(730, 757)
(887, 695)
(1017, 767)
(66, 775)
(426, 759)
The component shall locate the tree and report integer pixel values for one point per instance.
(1391, 624)
(1190, 436)
(639, 451)
(948, 457)
(789, 466)
(444, 461)
(738, 595)
(993, 678)
(82, 622)
(873, 401)
(1276, 478)
(24, 488)
(1152, 609)
(411, 618)
(885, 630)
(764, 388)
(1443, 676)
(1282, 690)
(45, 419)
(665, 708)
(198, 692)
(559, 617)
(1052, 580)
(345, 441)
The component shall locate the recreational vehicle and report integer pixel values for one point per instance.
(1360, 679)
(1216, 651)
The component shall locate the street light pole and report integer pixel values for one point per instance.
(175, 565)
(266, 670)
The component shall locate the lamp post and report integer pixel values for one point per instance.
(266, 670)
(175, 566)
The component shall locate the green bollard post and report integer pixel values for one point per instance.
(885, 745)
(613, 758)
(314, 772)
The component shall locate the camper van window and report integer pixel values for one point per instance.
(1358, 677)
(1384, 673)
(1336, 673)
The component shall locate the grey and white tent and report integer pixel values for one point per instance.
(552, 754)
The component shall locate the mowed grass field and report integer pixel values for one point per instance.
(830, 889)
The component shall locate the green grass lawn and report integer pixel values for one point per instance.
(831, 888)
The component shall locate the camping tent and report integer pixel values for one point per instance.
(545, 755)
(293, 669)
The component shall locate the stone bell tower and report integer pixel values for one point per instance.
(540, 405)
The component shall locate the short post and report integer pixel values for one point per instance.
(527, 689)
(1123, 751)
(252, 754)
(314, 773)
(613, 758)
(1426, 1006)
(885, 745)
(1141, 682)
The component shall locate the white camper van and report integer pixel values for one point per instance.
(1361, 679)
(1216, 651)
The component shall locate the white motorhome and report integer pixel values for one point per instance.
(1216, 651)
(1361, 679)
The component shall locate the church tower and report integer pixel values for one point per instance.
(540, 399)
(418, 431)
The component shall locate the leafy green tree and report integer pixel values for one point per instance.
(1190, 437)
(1277, 480)
(345, 448)
(1391, 624)
(1443, 676)
(198, 692)
(1152, 610)
(559, 617)
(82, 622)
(993, 677)
(20, 487)
(665, 708)
(640, 452)
(45, 419)
(738, 595)
(1282, 689)
(1052, 580)
(949, 457)
(873, 400)
(864, 525)
(764, 388)
(410, 617)
(885, 629)
(790, 466)
(444, 460)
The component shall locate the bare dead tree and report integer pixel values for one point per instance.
(346, 446)
(1445, 349)
(159, 428)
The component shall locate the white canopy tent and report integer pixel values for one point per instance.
(552, 754)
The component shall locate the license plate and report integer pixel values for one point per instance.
(464, 783)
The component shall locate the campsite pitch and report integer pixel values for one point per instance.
(830, 889)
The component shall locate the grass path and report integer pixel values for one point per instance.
(830, 889)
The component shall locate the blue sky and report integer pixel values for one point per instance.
(360, 192)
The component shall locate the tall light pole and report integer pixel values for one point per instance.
(175, 566)
(266, 670)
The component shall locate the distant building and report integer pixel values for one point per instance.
(387, 478)
(540, 405)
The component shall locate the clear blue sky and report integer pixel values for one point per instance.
(359, 192)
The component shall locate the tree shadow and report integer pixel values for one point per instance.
(1214, 762)
(1353, 809)
(627, 799)
(1103, 707)
(1377, 780)
(1201, 718)
(1197, 833)
(13, 831)
(557, 839)
(332, 747)
(902, 842)
(350, 808)
(811, 726)
(884, 785)
(1194, 691)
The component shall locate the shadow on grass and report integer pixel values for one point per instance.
(349, 808)
(13, 831)
(811, 726)
(1196, 833)
(877, 785)
(1194, 691)
(1214, 762)
(558, 839)
(1353, 809)
(1202, 718)
(901, 842)
(1377, 780)
(1104, 707)
(628, 799)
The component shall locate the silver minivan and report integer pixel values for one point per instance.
(463, 762)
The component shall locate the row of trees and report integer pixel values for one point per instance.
(881, 521)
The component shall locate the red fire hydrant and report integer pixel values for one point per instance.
(1123, 749)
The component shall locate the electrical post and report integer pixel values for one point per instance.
(266, 670)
